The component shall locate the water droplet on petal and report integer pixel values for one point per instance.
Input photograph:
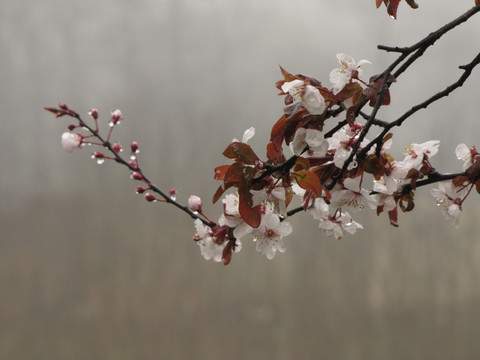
(100, 161)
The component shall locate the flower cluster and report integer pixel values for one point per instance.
(318, 160)
(329, 171)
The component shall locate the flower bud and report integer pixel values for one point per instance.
(136, 176)
(93, 113)
(150, 197)
(140, 190)
(134, 147)
(71, 141)
(117, 116)
(195, 203)
(71, 127)
(117, 147)
(98, 155)
(173, 194)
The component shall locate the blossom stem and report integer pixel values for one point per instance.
(153, 187)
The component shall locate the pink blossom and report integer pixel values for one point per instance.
(336, 225)
(269, 235)
(195, 203)
(117, 116)
(208, 248)
(71, 141)
(352, 194)
(450, 198)
(274, 197)
(231, 217)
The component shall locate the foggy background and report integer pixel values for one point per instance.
(89, 270)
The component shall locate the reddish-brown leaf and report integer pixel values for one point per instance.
(241, 152)
(387, 137)
(220, 172)
(287, 76)
(371, 92)
(235, 174)
(278, 133)
(351, 90)
(308, 180)
(459, 180)
(302, 164)
(218, 194)
(252, 215)
(57, 112)
(393, 215)
(413, 4)
(274, 155)
(227, 252)
(392, 6)
(373, 166)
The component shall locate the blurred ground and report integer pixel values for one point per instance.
(88, 270)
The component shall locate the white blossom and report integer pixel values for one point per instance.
(311, 138)
(414, 158)
(231, 217)
(247, 135)
(449, 198)
(320, 209)
(341, 76)
(208, 248)
(336, 225)
(308, 95)
(204, 239)
(341, 143)
(352, 194)
(269, 235)
(274, 197)
(463, 153)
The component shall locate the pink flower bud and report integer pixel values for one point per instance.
(63, 106)
(98, 155)
(71, 127)
(117, 147)
(134, 147)
(71, 141)
(150, 197)
(117, 116)
(140, 190)
(94, 113)
(195, 203)
(136, 176)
